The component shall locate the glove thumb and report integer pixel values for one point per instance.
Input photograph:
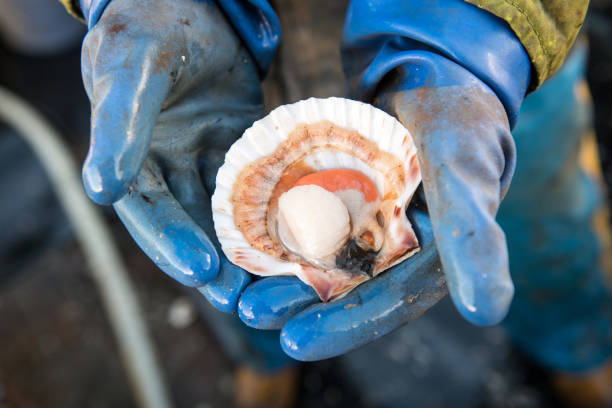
(467, 158)
(127, 80)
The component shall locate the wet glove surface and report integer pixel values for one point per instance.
(466, 155)
(171, 88)
(418, 69)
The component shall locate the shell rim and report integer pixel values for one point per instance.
(269, 132)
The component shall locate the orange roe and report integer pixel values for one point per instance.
(341, 179)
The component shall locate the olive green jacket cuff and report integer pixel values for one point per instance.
(73, 8)
(546, 28)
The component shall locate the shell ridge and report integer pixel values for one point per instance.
(267, 135)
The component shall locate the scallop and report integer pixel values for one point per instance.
(319, 189)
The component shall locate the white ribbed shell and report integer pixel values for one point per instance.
(264, 137)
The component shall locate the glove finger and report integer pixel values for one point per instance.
(467, 159)
(127, 79)
(372, 310)
(270, 302)
(187, 187)
(165, 232)
(224, 291)
(475, 258)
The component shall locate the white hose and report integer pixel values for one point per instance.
(110, 276)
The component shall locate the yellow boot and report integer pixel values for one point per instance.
(589, 390)
(265, 390)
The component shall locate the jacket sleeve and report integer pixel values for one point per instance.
(546, 28)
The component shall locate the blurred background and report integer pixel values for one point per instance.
(57, 348)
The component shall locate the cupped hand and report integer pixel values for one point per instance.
(171, 87)
(455, 76)
(466, 156)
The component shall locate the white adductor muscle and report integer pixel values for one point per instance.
(317, 219)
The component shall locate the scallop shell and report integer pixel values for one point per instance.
(336, 133)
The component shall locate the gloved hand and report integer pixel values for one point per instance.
(171, 87)
(455, 76)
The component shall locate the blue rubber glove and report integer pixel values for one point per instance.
(171, 87)
(455, 76)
